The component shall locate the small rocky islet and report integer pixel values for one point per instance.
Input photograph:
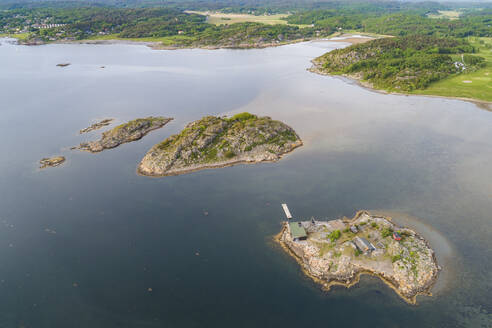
(127, 132)
(213, 142)
(97, 125)
(51, 161)
(339, 251)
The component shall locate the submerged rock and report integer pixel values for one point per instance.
(216, 142)
(51, 162)
(97, 125)
(331, 252)
(127, 132)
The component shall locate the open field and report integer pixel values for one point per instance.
(166, 41)
(218, 18)
(19, 36)
(449, 14)
(476, 85)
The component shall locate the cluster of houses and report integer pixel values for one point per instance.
(44, 26)
(298, 232)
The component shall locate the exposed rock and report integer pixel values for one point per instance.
(51, 162)
(409, 265)
(63, 64)
(97, 125)
(131, 131)
(216, 142)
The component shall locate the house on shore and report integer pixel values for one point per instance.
(297, 231)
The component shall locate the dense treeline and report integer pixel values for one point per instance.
(405, 24)
(189, 29)
(478, 23)
(388, 17)
(402, 63)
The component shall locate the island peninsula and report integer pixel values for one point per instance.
(339, 251)
(219, 141)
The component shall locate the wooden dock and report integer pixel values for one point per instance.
(287, 212)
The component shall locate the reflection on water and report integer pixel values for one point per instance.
(119, 234)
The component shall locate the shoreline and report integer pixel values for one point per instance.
(343, 38)
(483, 104)
(347, 283)
(213, 165)
(157, 45)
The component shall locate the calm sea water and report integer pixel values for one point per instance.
(427, 161)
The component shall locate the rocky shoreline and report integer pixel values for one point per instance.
(214, 142)
(408, 266)
(127, 132)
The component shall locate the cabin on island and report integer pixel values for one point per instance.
(297, 231)
(363, 244)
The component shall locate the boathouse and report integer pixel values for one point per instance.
(297, 231)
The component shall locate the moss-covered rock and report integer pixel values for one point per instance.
(216, 142)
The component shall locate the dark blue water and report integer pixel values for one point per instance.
(119, 234)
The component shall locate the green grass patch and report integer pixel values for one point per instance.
(18, 36)
(473, 85)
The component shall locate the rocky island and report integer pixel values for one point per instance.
(97, 125)
(217, 142)
(339, 251)
(127, 132)
(51, 161)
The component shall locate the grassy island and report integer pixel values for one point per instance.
(217, 141)
(339, 251)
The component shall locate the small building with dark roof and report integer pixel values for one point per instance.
(363, 244)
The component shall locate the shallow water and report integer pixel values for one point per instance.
(118, 234)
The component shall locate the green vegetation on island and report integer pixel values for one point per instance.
(219, 141)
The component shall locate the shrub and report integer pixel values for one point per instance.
(334, 235)
(386, 232)
(242, 117)
(395, 258)
(229, 154)
(474, 60)
(374, 224)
